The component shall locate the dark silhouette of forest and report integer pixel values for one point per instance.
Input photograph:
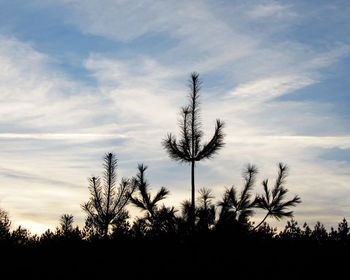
(205, 236)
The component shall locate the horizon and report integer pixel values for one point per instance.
(80, 79)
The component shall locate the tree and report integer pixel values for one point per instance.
(189, 148)
(319, 232)
(5, 225)
(239, 207)
(66, 230)
(121, 226)
(66, 223)
(291, 230)
(343, 230)
(342, 234)
(206, 210)
(156, 218)
(186, 212)
(204, 213)
(273, 200)
(107, 201)
(21, 236)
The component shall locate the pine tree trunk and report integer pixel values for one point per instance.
(193, 207)
(263, 220)
(105, 231)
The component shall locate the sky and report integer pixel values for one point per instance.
(82, 78)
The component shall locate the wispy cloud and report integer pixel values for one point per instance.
(271, 9)
(270, 88)
(57, 136)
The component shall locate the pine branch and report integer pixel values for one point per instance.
(273, 201)
(162, 194)
(174, 150)
(213, 146)
(138, 203)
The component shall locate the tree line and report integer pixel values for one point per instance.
(201, 235)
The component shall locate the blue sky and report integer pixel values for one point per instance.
(81, 78)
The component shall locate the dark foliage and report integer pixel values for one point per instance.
(157, 219)
(222, 240)
(4, 225)
(260, 254)
(189, 148)
(273, 200)
(204, 238)
(206, 211)
(238, 208)
(163, 241)
(107, 202)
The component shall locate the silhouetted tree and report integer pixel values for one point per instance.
(273, 200)
(66, 223)
(206, 210)
(120, 225)
(240, 207)
(89, 230)
(156, 217)
(47, 236)
(266, 231)
(186, 210)
(204, 213)
(107, 202)
(5, 224)
(165, 220)
(21, 236)
(319, 232)
(66, 229)
(343, 230)
(291, 230)
(184, 221)
(140, 227)
(306, 232)
(189, 148)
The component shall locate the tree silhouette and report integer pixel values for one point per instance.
(5, 224)
(206, 210)
(21, 236)
(319, 232)
(239, 207)
(343, 230)
(155, 217)
(189, 148)
(120, 225)
(186, 211)
(66, 223)
(144, 201)
(273, 200)
(107, 201)
(291, 230)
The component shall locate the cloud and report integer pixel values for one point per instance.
(23, 176)
(80, 137)
(270, 88)
(271, 9)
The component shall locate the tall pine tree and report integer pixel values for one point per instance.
(189, 148)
